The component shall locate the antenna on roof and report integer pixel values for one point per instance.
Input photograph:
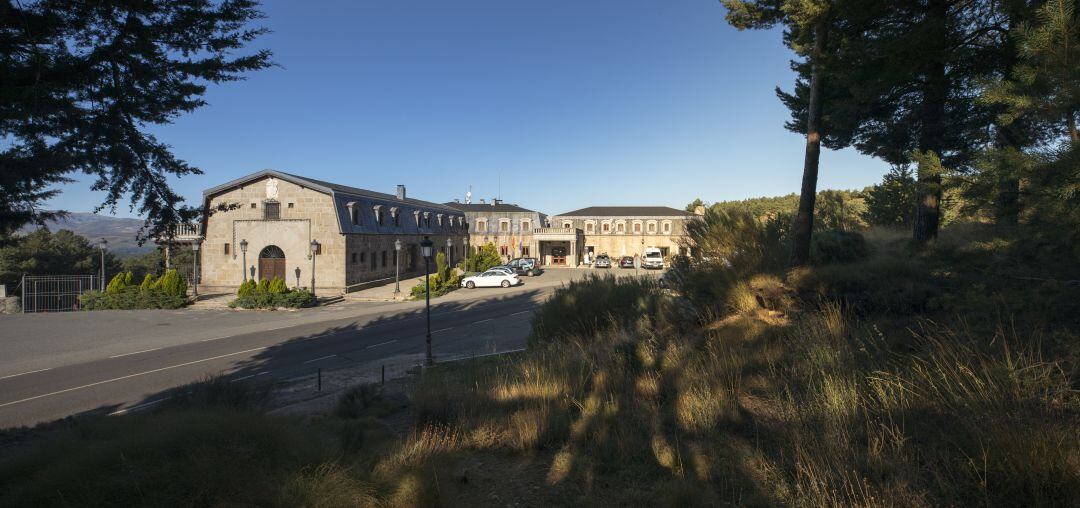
(468, 196)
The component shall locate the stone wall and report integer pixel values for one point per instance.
(305, 215)
(10, 305)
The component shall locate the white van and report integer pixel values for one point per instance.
(652, 258)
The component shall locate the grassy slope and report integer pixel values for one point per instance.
(899, 380)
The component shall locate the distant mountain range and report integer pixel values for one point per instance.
(120, 232)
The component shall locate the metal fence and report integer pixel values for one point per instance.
(56, 293)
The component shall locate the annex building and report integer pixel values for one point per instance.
(508, 227)
(270, 219)
(577, 237)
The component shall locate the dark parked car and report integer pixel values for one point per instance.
(626, 262)
(602, 261)
(525, 266)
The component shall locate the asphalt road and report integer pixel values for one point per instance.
(63, 364)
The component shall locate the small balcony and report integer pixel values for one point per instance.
(182, 233)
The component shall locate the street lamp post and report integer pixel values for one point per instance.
(425, 249)
(449, 252)
(104, 243)
(243, 266)
(397, 267)
(314, 249)
(195, 267)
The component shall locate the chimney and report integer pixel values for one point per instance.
(482, 201)
(401, 192)
(456, 200)
(495, 201)
(699, 210)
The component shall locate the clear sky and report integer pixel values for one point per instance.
(574, 102)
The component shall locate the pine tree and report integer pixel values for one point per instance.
(84, 82)
(892, 202)
(808, 24)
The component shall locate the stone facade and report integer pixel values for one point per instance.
(508, 227)
(281, 214)
(616, 231)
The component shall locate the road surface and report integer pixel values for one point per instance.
(57, 365)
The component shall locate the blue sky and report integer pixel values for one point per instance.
(575, 102)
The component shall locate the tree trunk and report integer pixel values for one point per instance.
(804, 220)
(935, 93)
(1070, 120)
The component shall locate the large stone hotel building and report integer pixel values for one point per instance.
(274, 224)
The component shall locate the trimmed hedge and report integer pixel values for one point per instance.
(270, 294)
(131, 298)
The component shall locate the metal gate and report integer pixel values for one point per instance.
(56, 293)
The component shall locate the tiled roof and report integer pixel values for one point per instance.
(627, 211)
(488, 207)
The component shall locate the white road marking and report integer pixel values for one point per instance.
(250, 376)
(25, 373)
(135, 353)
(522, 312)
(381, 344)
(129, 376)
(483, 321)
(140, 406)
(320, 358)
(215, 338)
(443, 330)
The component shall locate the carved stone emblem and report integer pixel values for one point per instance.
(271, 188)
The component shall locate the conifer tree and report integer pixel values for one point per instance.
(807, 24)
(84, 81)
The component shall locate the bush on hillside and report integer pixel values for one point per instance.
(739, 240)
(837, 246)
(598, 303)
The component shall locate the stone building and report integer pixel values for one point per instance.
(579, 236)
(508, 227)
(277, 216)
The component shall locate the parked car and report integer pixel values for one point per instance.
(525, 266)
(652, 258)
(491, 278)
(503, 268)
(602, 261)
(626, 262)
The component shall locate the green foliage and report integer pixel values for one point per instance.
(42, 252)
(838, 246)
(131, 298)
(277, 286)
(270, 294)
(482, 259)
(596, 304)
(117, 284)
(96, 123)
(147, 282)
(892, 202)
(247, 288)
(694, 204)
(740, 240)
(172, 284)
(129, 279)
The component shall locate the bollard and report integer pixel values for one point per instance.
(320, 379)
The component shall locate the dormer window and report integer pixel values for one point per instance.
(378, 209)
(439, 218)
(416, 217)
(396, 215)
(427, 220)
(354, 213)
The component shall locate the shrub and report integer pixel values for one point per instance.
(740, 240)
(263, 286)
(836, 246)
(117, 284)
(129, 279)
(147, 283)
(277, 286)
(594, 304)
(296, 298)
(172, 284)
(131, 298)
(247, 288)
(482, 259)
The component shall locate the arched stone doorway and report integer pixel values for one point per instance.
(271, 263)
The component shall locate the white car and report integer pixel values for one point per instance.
(505, 269)
(653, 258)
(491, 278)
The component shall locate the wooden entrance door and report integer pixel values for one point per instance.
(272, 263)
(558, 255)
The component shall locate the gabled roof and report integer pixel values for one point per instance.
(487, 207)
(322, 186)
(627, 211)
